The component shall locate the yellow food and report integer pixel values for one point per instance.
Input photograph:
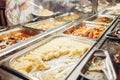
(45, 12)
(35, 60)
(45, 24)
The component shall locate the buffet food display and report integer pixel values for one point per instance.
(68, 16)
(101, 19)
(16, 35)
(84, 48)
(114, 10)
(111, 12)
(44, 59)
(45, 24)
(86, 30)
(54, 22)
(98, 66)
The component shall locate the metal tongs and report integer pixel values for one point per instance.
(106, 65)
(114, 35)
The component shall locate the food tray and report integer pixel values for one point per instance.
(53, 22)
(45, 24)
(13, 36)
(86, 30)
(112, 46)
(67, 58)
(115, 12)
(101, 19)
(69, 16)
(98, 66)
(43, 13)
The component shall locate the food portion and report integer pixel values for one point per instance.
(87, 9)
(52, 22)
(54, 59)
(68, 17)
(113, 12)
(9, 38)
(45, 12)
(45, 24)
(85, 30)
(42, 12)
(103, 20)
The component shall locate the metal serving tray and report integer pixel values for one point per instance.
(112, 46)
(69, 16)
(94, 17)
(7, 75)
(63, 71)
(58, 21)
(72, 28)
(113, 34)
(43, 24)
(14, 36)
(100, 59)
(114, 12)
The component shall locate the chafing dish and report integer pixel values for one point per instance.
(66, 60)
(69, 16)
(98, 66)
(45, 24)
(58, 21)
(101, 19)
(115, 12)
(13, 36)
(90, 31)
(112, 46)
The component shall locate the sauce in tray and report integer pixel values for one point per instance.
(86, 31)
(103, 20)
(8, 39)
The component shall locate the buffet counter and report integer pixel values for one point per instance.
(68, 46)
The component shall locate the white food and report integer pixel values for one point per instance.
(61, 52)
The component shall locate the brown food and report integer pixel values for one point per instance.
(83, 30)
(14, 37)
(103, 19)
